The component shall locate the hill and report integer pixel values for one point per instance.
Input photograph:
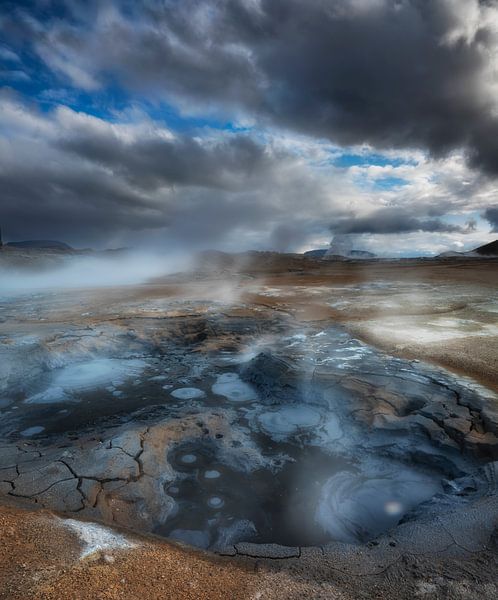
(490, 249)
(45, 244)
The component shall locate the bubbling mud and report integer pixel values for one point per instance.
(296, 435)
(355, 506)
(188, 393)
(235, 390)
(64, 383)
(288, 420)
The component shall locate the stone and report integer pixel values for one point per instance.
(482, 444)
(267, 550)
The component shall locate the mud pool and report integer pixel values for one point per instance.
(215, 429)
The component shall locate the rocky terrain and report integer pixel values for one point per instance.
(292, 416)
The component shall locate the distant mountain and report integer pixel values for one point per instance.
(351, 254)
(316, 253)
(451, 254)
(490, 249)
(46, 244)
(362, 254)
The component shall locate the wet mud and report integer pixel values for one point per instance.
(198, 422)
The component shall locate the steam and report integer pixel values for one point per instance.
(130, 268)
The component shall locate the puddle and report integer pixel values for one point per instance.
(323, 436)
(288, 420)
(188, 393)
(235, 390)
(30, 431)
(313, 498)
(66, 381)
(356, 507)
(276, 506)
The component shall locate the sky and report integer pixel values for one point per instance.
(250, 124)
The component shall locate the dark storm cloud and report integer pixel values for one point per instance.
(71, 203)
(491, 214)
(149, 163)
(391, 73)
(73, 176)
(394, 221)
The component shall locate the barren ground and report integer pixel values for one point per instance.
(442, 313)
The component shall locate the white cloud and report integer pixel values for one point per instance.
(287, 200)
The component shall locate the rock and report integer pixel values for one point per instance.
(482, 444)
(489, 416)
(273, 377)
(267, 550)
(109, 559)
(457, 428)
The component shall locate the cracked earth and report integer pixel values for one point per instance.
(300, 427)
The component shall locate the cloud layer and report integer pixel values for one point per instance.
(395, 221)
(84, 179)
(390, 73)
(267, 97)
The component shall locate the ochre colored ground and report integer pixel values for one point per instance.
(40, 560)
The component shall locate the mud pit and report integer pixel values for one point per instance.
(236, 427)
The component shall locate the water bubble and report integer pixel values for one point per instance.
(393, 508)
(215, 502)
(187, 393)
(189, 459)
(233, 388)
(32, 431)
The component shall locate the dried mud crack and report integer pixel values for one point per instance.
(266, 434)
